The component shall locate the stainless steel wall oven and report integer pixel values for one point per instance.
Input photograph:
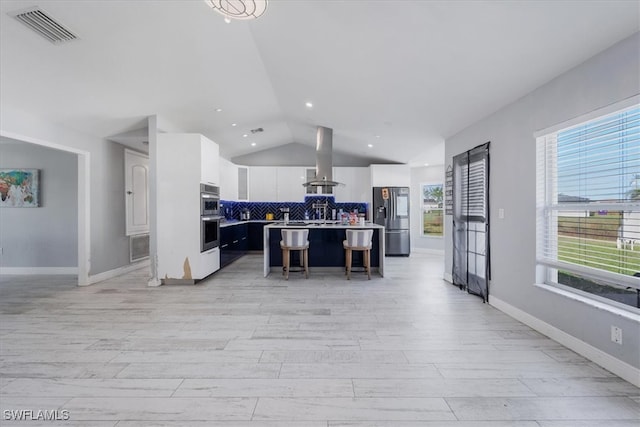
(209, 232)
(209, 217)
(209, 199)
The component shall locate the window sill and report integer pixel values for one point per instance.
(613, 309)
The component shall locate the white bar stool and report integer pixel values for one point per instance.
(294, 239)
(358, 240)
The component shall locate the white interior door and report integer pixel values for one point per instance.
(136, 181)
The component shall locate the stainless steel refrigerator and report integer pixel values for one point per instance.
(391, 210)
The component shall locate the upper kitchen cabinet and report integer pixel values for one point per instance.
(390, 176)
(228, 180)
(357, 184)
(263, 182)
(276, 184)
(243, 183)
(209, 161)
(289, 184)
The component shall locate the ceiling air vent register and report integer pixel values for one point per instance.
(43, 24)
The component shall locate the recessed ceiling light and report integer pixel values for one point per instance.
(245, 135)
(218, 110)
(377, 136)
(253, 144)
(426, 164)
(227, 20)
(308, 104)
(234, 124)
(370, 145)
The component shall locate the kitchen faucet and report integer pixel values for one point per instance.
(322, 206)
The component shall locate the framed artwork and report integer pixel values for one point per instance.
(19, 188)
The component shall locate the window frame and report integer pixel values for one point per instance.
(546, 205)
(421, 201)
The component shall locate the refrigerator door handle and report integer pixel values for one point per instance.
(395, 231)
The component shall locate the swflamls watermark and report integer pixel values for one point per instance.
(36, 415)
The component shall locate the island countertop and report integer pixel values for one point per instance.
(325, 245)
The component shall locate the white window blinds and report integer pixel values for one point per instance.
(588, 199)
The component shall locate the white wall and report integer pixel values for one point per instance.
(419, 176)
(109, 247)
(607, 78)
(46, 236)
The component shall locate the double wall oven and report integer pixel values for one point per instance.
(209, 217)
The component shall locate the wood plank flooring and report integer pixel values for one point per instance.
(240, 350)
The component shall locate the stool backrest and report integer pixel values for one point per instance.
(295, 237)
(359, 238)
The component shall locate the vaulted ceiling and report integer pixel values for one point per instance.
(398, 75)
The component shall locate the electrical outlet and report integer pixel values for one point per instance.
(1, 251)
(616, 335)
(501, 213)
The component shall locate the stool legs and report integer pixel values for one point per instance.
(367, 262)
(286, 262)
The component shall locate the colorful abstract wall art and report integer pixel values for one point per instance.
(19, 188)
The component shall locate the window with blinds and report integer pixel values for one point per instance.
(588, 207)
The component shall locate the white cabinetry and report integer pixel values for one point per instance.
(284, 184)
(263, 181)
(243, 183)
(209, 161)
(181, 167)
(228, 180)
(390, 176)
(361, 190)
(276, 184)
(357, 184)
(289, 184)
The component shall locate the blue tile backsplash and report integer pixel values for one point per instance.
(259, 210)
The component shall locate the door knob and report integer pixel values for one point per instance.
(129, 192)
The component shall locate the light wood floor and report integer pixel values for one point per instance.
(241, 350)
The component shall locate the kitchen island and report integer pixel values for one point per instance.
(325, 246)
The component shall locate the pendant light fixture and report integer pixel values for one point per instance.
(238, 9)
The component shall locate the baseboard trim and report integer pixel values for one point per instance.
(622, 369)
(448, 277)
(23, 271)
(105, 275)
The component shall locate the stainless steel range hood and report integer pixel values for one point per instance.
(324, 160)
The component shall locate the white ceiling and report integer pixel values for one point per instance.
(401, 75)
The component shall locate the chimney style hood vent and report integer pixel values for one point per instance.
(324, 160)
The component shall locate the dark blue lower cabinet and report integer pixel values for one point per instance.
(234, 242)
(256, 236)
(325, 249)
